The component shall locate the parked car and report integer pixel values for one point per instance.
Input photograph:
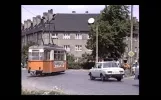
(137, 72)
(106, 70)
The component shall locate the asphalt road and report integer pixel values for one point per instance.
(78, 82)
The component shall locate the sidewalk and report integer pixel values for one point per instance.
(23, 68)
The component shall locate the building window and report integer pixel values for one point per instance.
(54, 36)
(126, 38)
(23, 39)
(66, 36)
(78, 48)
(89, 50)
(135, 49)
(67, 47)
(88, 36)
(78, 36)
(39, 36)
(135, 39)
(127, 49)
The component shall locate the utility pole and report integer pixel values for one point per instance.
(96, 43)
(131, 31)
(49, 27)
(26, 33)
(137, 56)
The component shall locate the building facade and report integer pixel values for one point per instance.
(67, 30)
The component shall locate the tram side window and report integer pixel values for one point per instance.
(58, 55)
(41, 56)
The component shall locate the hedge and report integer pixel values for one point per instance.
(41, 92)
(76, 65)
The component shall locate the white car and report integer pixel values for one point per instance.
(137, 72)
(106, 70)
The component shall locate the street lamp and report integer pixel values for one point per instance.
(91, 21)
(131, 30)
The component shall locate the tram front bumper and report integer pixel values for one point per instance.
(35, 71)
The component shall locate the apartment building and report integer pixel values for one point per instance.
(67, 30)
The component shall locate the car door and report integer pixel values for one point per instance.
(98, 70)
(94, 71)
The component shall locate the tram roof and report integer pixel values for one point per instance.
(49, 47)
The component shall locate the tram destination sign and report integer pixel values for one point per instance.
(59, 63)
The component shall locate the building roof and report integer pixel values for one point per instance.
(65, 22)
(71, 22)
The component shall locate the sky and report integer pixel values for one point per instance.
(29, 11)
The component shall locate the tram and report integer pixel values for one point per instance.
(46, 59)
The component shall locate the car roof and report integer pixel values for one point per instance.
(107, 62)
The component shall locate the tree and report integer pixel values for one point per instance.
(86, 57)
(24, 51)
(113, 26)
(70, 58)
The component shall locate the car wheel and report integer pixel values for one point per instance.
(102, 77)
(119, 79)
(91, 77)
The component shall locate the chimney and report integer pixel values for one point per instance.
(25, 24)
(29, 23)
(42, 21)
(34, 21)
(45, 15)
(50, 14)
(86, 12)
(73, 11)
(22, 26)
(38, 19)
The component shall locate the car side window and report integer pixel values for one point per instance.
(100, 65)
(95, 66)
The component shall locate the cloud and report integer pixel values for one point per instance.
(29, 11)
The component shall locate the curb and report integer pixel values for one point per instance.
(130, 77)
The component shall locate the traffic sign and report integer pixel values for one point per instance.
(131, 53)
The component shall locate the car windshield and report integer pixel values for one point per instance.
(98, 65)
(107, 65)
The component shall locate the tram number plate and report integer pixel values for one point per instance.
(59, 63)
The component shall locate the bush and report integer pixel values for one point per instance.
(74, 65)
(87, 65)
(41, 92)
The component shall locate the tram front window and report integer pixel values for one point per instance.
(36, 55)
